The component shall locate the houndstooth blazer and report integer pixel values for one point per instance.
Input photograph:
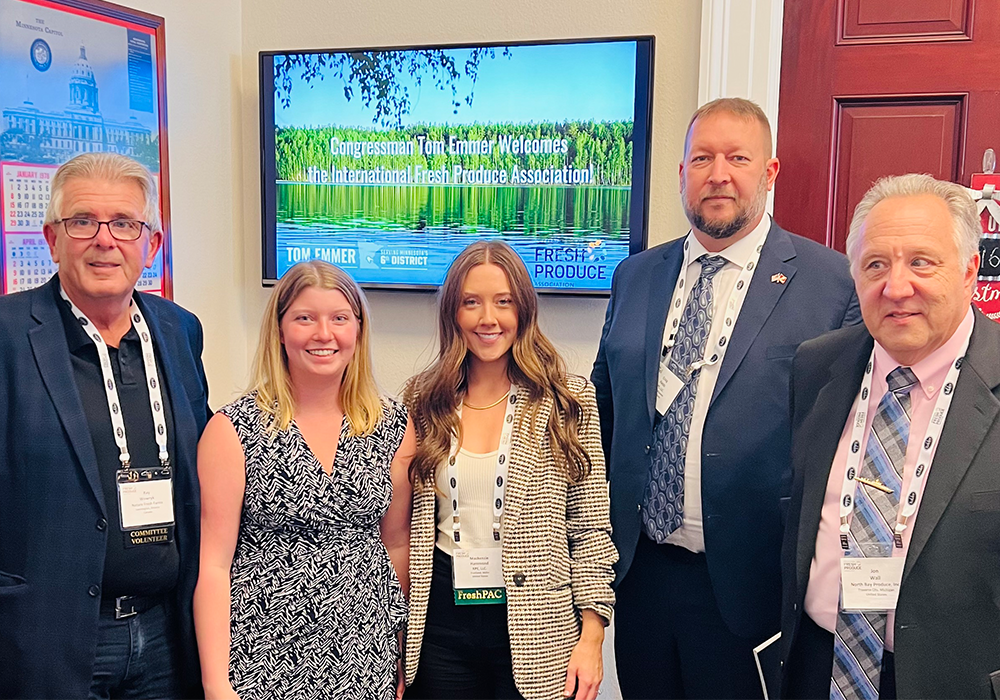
(557, 551)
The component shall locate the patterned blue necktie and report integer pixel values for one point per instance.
(860, 638)
(663, 501)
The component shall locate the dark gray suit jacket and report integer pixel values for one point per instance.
(947, 630)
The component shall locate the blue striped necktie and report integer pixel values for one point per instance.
(663, 500)
(860, 637)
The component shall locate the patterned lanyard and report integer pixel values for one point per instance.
(927, 448)
(500, 485)
(736, 298)
(111, 390)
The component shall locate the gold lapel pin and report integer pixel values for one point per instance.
(778, 278)
(875, 484)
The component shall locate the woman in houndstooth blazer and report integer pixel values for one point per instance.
(494, 369)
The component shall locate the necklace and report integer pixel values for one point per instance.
(484, 408)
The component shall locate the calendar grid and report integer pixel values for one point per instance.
(25, 192)
(26, 263)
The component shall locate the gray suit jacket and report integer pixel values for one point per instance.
(947, 630)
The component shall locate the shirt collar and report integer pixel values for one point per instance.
(739, 252)
(931, 370)
(76, 337)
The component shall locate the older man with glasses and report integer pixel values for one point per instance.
(102, 400)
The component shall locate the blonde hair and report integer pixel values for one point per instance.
(112, 167)
(433, 395)
(747, 110)
(358, 391)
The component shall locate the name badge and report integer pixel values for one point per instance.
(477, 576)
(668, 385)
(870, 584)
(145, 499)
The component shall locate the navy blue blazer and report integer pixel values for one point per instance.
(52, 543)
(745, 451)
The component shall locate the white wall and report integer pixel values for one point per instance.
(741, 56)
(741, 52)
(214, 157)
(404, 321)
(204, 65)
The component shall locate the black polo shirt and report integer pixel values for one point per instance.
(147, 569)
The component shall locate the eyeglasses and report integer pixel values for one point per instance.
(121, 229)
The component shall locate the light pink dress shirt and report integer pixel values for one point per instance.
(823, 590)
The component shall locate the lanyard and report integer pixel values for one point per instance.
(111, 390)
(736, 298)
(927, 447)
(500, 484)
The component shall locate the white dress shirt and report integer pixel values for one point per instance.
(691, 534)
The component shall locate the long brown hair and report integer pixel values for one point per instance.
(433, 396)
(358, 391)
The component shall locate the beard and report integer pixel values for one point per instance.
(721, 229)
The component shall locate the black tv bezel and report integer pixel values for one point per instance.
(638, 239)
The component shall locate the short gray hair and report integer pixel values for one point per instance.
(112, 167)
(964, 217)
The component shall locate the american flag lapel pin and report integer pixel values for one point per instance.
(778, 278)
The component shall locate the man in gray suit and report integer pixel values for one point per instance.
(891, 559)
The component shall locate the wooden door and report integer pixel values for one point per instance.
(880, 87)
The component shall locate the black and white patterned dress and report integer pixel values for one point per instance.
(316, 604)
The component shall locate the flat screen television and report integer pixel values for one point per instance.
(388, 162)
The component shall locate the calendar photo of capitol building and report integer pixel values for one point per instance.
(34, 136)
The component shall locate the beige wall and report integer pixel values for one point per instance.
(404, 322)
(214, 156)
(204, 113)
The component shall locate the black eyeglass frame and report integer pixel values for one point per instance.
(98, 229)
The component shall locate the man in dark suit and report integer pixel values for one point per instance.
(896, 462)
(692, 386)
(102, 400)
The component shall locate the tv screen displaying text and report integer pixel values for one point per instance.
(388, 163)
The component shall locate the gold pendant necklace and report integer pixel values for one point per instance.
(484, 408)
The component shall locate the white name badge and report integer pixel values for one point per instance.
(870, 584)
(145, 501)
(668, 385)
(477, 575)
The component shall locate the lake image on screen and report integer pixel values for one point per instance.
(389, 163)
(568, 237)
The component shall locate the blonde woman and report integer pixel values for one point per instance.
(305, 509)
(511, 555)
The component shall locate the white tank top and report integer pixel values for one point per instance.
(476, 473)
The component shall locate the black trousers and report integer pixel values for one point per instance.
(466, 648)
(810, 665)
(670, 639)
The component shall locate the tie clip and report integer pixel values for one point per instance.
(876, 484)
